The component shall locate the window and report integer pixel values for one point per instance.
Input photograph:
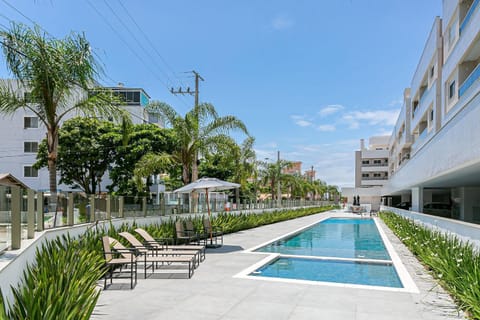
(30, 146)
(432, 71)
(451, 90)
(377, 161)
(452, 34)
(431, 115)
(30, 122)
(365, 162)
(365, 175)
(377, 175)
(29, 172)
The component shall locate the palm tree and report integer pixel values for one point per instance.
(58, 74)
(271, 174)
(199, 130)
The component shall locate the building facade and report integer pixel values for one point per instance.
(435, 145)
(371, 164)
(22, 133)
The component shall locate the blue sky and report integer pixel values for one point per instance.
(308, 77)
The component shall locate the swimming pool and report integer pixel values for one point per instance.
(336, 251)
(334, 237)
(353, 272)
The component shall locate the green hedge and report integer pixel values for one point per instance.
(62, 284)
(454, 263)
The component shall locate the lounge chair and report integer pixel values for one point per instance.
(155, 251)
(190, 228)
(184, 236)
(212, 232)
(150, 261)
(164, 243)
(115, 265)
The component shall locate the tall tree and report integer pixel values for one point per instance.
(142, 139)
(86, 148)
(58, 74)
(199, 130)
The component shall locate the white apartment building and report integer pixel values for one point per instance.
(22, 132)
(435, 145)
(371, 171)
(371, 164)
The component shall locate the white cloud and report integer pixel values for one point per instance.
(326, 127)
(300, 121)
(282, 22)
(396, 102)
(331, 109)
(378, 117)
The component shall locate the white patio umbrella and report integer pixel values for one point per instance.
(207, 184)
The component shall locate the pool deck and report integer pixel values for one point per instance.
(214, 293)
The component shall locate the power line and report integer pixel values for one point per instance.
(130, 47)
(133, 36)
(150, 43)
(25, 16)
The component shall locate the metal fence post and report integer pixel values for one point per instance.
(70, 218)
(16, 218)
(40, 211)
(31, 214)
(120, 207)
(109, 207)
(144, 206)
(92, 208)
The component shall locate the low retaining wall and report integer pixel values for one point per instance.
(468, 232)
(12, 262)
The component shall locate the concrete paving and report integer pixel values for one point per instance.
(214, 293)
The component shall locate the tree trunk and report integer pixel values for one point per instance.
(195, 167)
(185, 174)
(52, 146)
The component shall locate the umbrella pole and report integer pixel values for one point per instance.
(208, 210)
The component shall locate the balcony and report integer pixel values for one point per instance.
(474, 75)
(419, 141)
(374, 178)
(468, 15)
(375, 165)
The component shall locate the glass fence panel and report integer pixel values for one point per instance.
(132, 206)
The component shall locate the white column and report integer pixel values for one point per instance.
(417, 199)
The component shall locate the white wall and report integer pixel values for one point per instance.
(451, 148)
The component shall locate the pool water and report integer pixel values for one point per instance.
(335, 237)
(332, 271)
(349, 250)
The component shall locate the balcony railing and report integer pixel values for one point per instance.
(374, 164)
(468, 15)
(375, 178)
(469, 81)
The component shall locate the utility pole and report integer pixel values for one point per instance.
(194, 93)
(194, 202)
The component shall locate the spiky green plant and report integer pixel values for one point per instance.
(60, 285)
(454, 263)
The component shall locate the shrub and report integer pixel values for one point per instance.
(454, 263)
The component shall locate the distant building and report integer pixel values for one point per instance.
(371, 172)
(310, 175)
(371, 164)
(295, 168)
